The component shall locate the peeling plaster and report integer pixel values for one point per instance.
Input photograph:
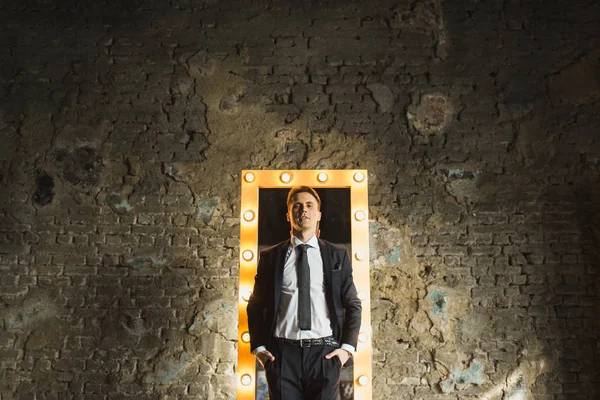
(384, 244)
(133, 326)
(432, 115)
(217, 316)
(206, 208)
(393, 256)
(124, 204)
(439, 302)
(44, 193)
(167, 370)
(382, 95)
(29, 315)
(518, 389)
(516, 394)
(172, 171)
(460, 378)
(458, 174)
(81, 167)
(515, 387)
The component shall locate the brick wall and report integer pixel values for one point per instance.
(125, 126)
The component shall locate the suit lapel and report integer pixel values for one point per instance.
(279, 264)
(326, 257)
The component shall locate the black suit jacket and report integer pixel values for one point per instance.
(340, 294)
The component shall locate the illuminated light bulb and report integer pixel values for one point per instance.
(363, 380)
(246, 337)
(248, 215)
(285, 177)
(322, 177)
(246, 379)
(247, 255)
(359, 215)
(362, 295)
(359, 176)
(360, 255)
(363, 337)
(246, 295)
(249, 177)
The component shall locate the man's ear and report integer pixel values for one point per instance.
(287, 217)
(319, 217)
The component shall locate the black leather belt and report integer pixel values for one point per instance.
(325, 341)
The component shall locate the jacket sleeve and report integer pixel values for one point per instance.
(257, 305)
(351, 304)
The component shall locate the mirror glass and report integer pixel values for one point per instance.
(335, 227)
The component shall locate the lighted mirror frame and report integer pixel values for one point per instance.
(356, 181)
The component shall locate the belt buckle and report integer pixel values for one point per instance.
(304, 340)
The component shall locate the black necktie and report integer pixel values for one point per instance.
(303, 288)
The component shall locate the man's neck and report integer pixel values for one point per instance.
(304, 236)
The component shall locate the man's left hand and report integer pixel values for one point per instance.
(341, 353)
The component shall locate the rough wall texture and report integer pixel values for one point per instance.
(125, 125)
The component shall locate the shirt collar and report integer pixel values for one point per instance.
(312, 242)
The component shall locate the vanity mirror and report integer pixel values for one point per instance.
(344, 222)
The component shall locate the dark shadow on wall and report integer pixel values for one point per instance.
(566, 318)
(568, 305)
(577, 303)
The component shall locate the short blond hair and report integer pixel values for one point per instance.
(302, 189)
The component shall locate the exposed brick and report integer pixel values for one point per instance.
(69, 270)
(488, 196)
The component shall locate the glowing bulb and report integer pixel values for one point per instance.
(248, 215)
(363, 337)
(360, 255)
(249, 177)
(363, 380)
(285, 177)
(247, 255)
(246, 295)
(362, 296)
(359, 176)
(246, 379)
(322, 177)
(360, 215)
(246, 337)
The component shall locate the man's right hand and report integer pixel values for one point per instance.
(264, 356)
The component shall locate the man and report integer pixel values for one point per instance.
(304, 314)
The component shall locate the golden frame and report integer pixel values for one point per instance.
(356, 181)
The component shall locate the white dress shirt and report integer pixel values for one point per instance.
(287, 325)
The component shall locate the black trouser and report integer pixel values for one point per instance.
(303, 373)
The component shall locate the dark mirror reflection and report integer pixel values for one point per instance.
(335, 227)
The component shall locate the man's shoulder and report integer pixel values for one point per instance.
(332, 246)
(271, 249)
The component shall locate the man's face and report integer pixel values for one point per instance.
(303, 212)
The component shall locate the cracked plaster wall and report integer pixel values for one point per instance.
(124, 128)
